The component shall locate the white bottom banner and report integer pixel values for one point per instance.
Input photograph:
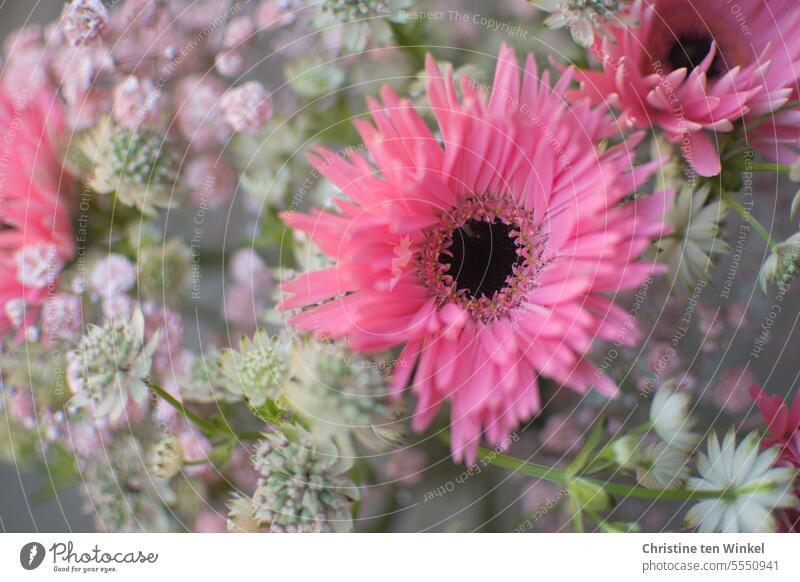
(398, 557)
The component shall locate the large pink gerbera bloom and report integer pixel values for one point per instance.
(35, 198)
(694, 67)
(487, 248)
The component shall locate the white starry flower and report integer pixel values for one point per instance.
(695, 237)
(753, 486)
(669, 416)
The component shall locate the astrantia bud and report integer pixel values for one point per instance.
(783, 264)
(84, 20)
(166, 458)
(247, 108)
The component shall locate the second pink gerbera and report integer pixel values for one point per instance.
(489, 249)
(36, 196)
(695, 67)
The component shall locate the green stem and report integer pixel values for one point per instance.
(560, 477)
(407, 43)
(763, 167)
(209, 428)
(748, 217)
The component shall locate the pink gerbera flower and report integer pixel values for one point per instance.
(694, 67)
(35, 197)
(486, 248)
(783, 430)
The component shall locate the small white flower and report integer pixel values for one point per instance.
(669, 415)
(695, 236)
(37, 265)
(663, 467)
(755, 488)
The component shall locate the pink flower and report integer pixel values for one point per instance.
(247, 108)
(35, 197)
(84, 20)
(694, 67)
(211, 179)
(783, 426)
(517, 229)
(731, 392)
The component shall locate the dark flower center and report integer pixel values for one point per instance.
(689, 50)
(482, 256)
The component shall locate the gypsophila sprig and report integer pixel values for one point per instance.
(304, 486)
(755, 487)
(110, 365)
(256, 369)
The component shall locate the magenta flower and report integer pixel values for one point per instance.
(694, 67)
(783, 429)
(35, 199)
(487, 248)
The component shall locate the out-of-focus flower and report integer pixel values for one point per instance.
(84, 20)
(663, 467)
(229, 63)
(209, 521)
(731, 392)
(783, 426)
(163, 270)
(35, 206)
(199, 119)
(275, 13)
(339, 396)
(753, 486)
(134, 164)
(582, 17)
(122, 495)
(134, 102)
(695, 235)
(166, 458)
(670, 418)
(111, 364)
(354, 23)
(783, 264)
(247, 107)
(62, 317)
(692, 70)
(304, 485)
(113, 275)
(211, 180)
(493, 296)
(241, 515)
(256, 369)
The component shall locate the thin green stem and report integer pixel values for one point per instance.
(763, 167)
(560, 477)
(748, 217)
(209, 428)
(404, 41)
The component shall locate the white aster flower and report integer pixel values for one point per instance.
(669, 416)
(754, 487)
(695, 237)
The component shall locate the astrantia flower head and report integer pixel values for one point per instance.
(110, 365)
(122, 496)
(754, 487)
(134, 163)
(83, 20)
(339, 395)
(695, 236)
(582, 17)
(487, 253)
(671, 419)
(35, 196)
(304, 485)
(256, 369)
(695, 67)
